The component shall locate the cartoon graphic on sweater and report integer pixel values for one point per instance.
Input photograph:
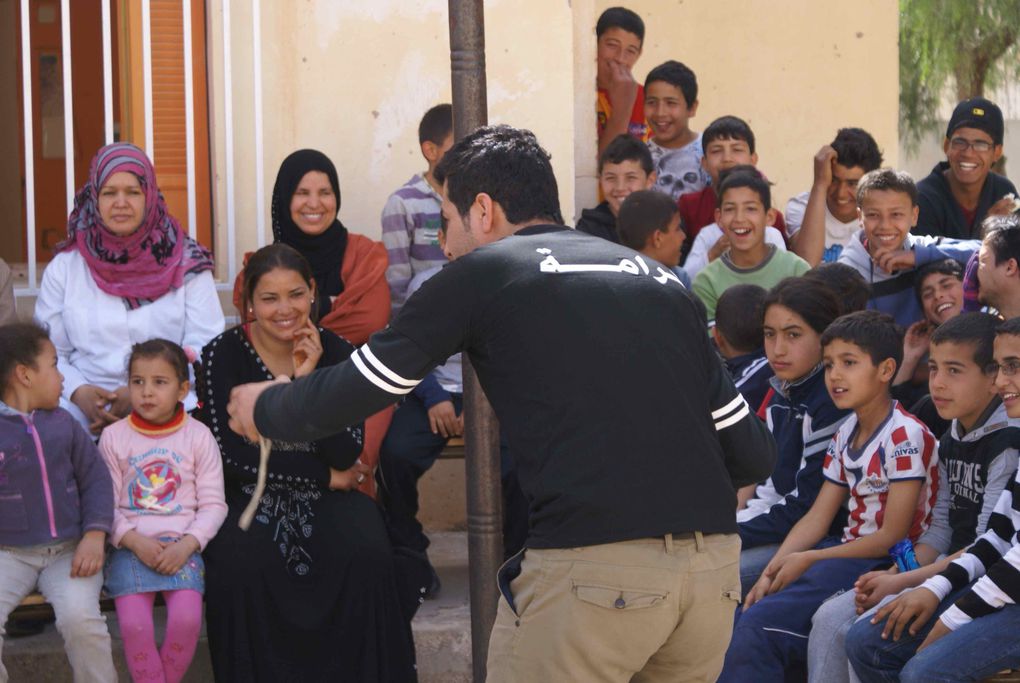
(153, 489)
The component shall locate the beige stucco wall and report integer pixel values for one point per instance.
(796, 70)
(353, 79)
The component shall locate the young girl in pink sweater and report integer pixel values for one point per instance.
(168, 493)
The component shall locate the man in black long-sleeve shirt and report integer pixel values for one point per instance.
(630, 434)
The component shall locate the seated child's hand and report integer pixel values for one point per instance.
(173, 555)
(824, 160)
(875, 585)
(914, 607)
(789, 569)
(443, 420)
(145, 549)
(88, 556)
(759, 590)
(936, 632)
(721, 245)
(1003, 207)
(892, 260)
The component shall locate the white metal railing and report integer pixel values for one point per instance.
(229, 252)
(26, 100)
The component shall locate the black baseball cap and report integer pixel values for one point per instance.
(979, 113)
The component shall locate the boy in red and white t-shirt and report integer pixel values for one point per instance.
(884, 459)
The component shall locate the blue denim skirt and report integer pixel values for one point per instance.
(127, 575)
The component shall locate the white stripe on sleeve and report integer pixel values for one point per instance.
(372, 377)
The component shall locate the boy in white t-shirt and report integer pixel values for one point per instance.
(820, 222)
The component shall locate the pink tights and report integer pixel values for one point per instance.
(183, 622)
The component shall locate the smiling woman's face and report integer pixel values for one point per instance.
(281, 303)
(313, 205)
(122, 203)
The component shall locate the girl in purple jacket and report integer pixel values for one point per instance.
(56, 503)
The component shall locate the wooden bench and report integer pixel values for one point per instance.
(36, 607)
(454, 449)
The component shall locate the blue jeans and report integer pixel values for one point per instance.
(973, 652)
(771, 637)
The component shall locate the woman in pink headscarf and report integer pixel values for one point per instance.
(126, 273)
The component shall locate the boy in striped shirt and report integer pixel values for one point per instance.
(410, 219)
(883, 460)
(975, 634)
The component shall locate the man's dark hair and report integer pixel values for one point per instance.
(677, 75)
(620, 17)
(510, 166)
(643, 213)
(436, 124)
(625, 147)
(856, 147)
(728, 128)
(1002, 236)
(744, 175)
(875, 333)
(946, 266)
(886, 180)
(849, 286)
(738, 317)
(970, 328)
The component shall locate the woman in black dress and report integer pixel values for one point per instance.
(308, 592)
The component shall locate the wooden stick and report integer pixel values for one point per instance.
(265, 446)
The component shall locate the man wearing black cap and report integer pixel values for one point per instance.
(961, 191)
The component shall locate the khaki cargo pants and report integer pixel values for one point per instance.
(646, 611)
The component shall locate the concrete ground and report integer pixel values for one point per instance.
(442, 632)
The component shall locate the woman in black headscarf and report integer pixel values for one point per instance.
(349, 269)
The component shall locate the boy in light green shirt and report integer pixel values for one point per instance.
(744, 208)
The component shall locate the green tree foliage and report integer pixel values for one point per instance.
(969, 45)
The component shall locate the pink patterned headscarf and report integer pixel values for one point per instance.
(148, 263)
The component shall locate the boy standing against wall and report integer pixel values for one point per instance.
(410, 219)
(621, 100)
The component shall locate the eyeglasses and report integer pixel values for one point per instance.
(962, 144)
(1009, 368)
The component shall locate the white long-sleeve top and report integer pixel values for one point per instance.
(93, 331)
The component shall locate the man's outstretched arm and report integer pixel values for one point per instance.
(328, 400)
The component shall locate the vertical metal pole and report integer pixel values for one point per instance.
(481, 438)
